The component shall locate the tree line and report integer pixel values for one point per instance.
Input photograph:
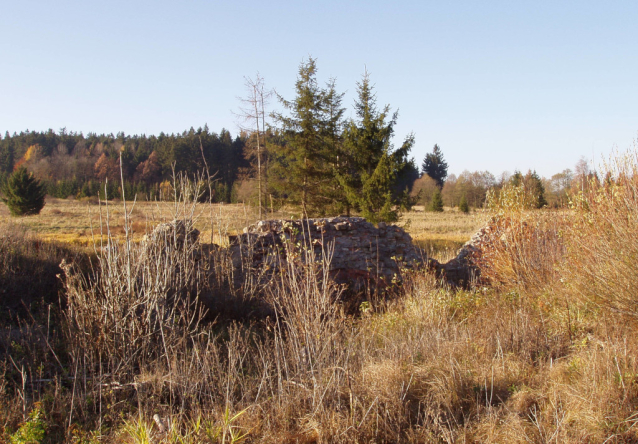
(470, 188)
(307, 155)
(72, 164)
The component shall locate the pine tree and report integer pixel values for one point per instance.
(437, 201)
(463, 206)
(435, 166)
(23, 193)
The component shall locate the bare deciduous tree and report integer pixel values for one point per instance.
(252, 112)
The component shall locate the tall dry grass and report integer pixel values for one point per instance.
(544, 356)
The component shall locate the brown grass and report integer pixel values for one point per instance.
(78, 221)
(442, 234)
(545, 356)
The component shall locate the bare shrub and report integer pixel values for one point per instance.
(521, 247)
(603, 239)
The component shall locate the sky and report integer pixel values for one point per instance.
(498, 85)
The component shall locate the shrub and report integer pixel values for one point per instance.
(31, 431)
(521, 247)
(602, 240)
(24, 194)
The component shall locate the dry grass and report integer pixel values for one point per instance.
(78, 221)
(442, 234)
(536, 359)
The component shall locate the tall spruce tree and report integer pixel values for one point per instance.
(371, 165)
(435, 166)
(305, 161)
(332, 126)
(534, 186)
(23, 193)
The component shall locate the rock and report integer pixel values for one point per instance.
(176, 231)
(464, 269)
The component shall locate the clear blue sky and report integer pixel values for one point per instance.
(499, 85)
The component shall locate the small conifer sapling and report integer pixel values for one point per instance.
(463, 206)
(437, 201)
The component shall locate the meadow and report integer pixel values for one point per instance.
(139, 345)
(80, 222)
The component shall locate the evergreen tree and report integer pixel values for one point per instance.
(435, 166)
(6, 154)
(23, 193)
(463, 206)
(516, 179)
(332, 128)
(371, 167)
(303, 161)
(437, 201)
(534, 186)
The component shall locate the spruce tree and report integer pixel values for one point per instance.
(371, 167)
(332, 132)
(437, 201)
(463, 206)
(6, 154)
(23, 193)
(534, 186)
(516, 179)
(303, 161)
(435, 166)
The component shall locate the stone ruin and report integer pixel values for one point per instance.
(361, 252)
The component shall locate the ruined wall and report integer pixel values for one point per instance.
(360, 251)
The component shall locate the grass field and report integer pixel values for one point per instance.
(442, 234)
(80, 221)
(77, 222)
(542, 350)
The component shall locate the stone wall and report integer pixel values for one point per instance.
(360, 251)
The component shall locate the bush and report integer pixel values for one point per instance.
(602, 240)
(521, 246)
(24, 194)
(32, 430)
